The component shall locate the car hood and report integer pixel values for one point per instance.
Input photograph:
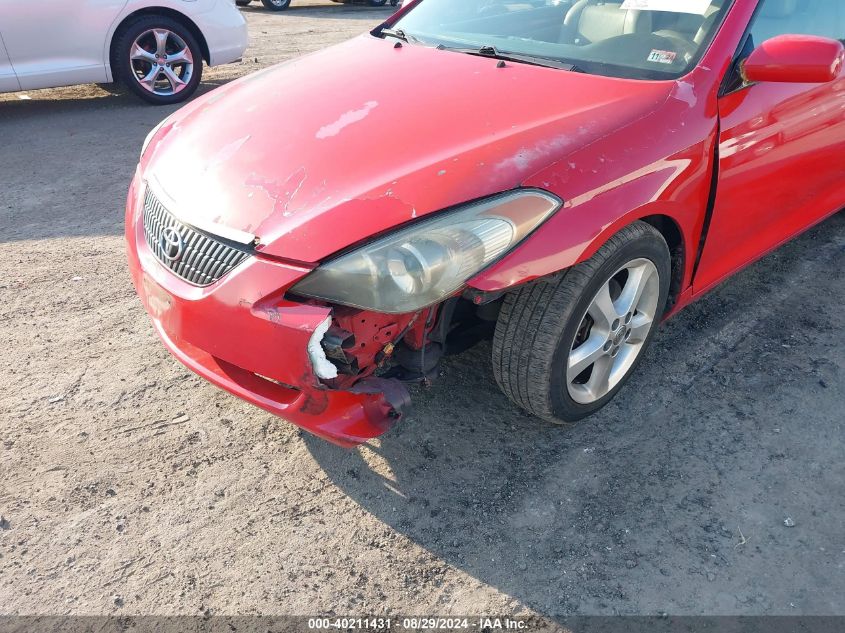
(320, 153)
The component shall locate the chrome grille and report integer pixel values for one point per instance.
(201, 260)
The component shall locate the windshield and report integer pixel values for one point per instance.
(638, 39)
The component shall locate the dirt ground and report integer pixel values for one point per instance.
(130, 486)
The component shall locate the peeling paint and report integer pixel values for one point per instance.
(685, 91)
(280, 193)
(345, 120)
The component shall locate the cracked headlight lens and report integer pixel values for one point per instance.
(428, 261)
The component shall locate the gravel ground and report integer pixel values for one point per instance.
(712, 485)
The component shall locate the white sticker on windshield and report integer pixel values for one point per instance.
(696, 7)
(662, 57)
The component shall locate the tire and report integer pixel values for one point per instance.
(133, 68)
(276, 5)
(242, 3)
(377, 3)
(541, 327)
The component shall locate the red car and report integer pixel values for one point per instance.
(561, 176)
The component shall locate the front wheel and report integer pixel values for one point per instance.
(276, 5)
(563, 348)
(158, 59)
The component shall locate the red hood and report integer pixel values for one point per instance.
(329, 149)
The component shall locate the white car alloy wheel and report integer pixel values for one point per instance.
(161, 62)
(613, 331)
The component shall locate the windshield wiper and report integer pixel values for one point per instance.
(399, 34)
(493, 53)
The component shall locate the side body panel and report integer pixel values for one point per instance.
(781, 170)
(604, 191)
(58, 42)
(8, 78)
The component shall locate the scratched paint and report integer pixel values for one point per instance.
(346, 119)
(226, 152)
(527, 157)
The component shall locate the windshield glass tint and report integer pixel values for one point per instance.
(640, 39)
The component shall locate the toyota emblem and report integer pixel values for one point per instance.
(172, 246)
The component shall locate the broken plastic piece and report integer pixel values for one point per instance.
(323, 368)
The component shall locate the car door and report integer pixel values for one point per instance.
(8, 79)
(58, 42)
(781, 149)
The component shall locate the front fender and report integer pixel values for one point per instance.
(650, 168)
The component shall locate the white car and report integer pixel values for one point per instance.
(155, 47)
(281, 5)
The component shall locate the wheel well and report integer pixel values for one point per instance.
(170, 13)
(671, 232)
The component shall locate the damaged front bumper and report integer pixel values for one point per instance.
(244, 336)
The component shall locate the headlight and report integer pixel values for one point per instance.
(428, 261)
(151, 136)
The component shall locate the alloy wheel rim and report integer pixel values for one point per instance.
(613, 331)
(161, 62)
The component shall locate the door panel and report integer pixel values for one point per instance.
(781, 166)
(58, 42)
(8, 80)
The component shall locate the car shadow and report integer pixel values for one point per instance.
(636, 510)
(18, 106)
